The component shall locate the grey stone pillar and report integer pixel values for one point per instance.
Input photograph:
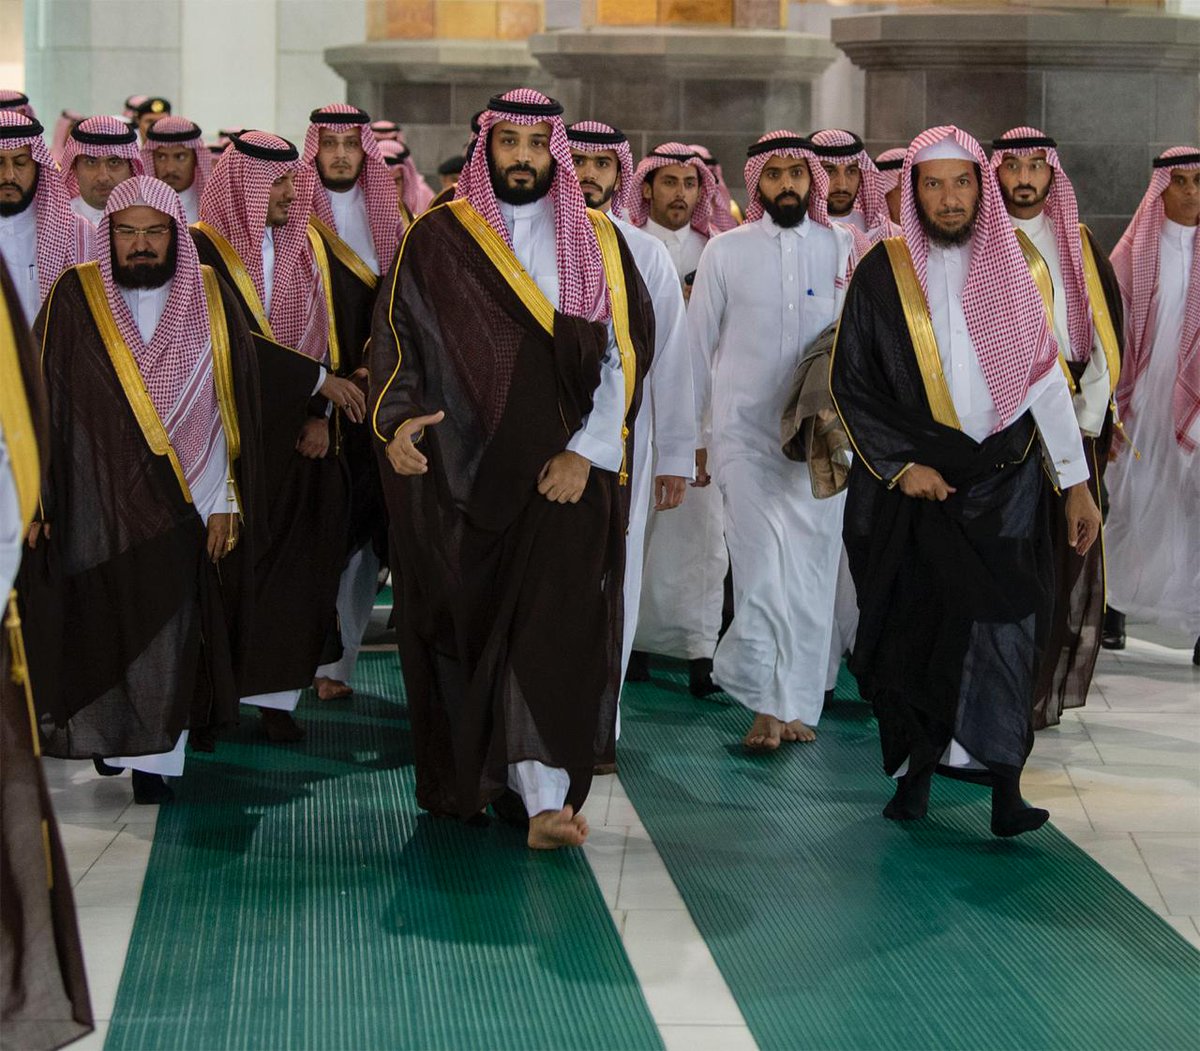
(1114, 88)
(720, 87)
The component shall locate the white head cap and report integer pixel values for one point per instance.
(946, 149)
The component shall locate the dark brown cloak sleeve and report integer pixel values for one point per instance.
(44, 1000)
(509, 607)
(128, 636)
(1065, 673)
(954, 597)
(296, 570)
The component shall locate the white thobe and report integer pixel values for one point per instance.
(80, 207)
(210, 495)
(762, 295)
(1049, 399)
(18, 248)
(664, 431)
(853, 218)
(360, 578)
(1093, 395)
(532, 231)
(1153, 529)
(683, 582)
(190, 200)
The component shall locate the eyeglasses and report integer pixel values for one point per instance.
(151, 233)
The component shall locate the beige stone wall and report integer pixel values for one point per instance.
(453, 19)
(12, 44)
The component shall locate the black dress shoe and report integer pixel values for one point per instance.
(1027, 819)
(104, 770)
(203, 740)
(280, 727)
(638, 669)
(700, 680)
(151, 789)
(1113, 634)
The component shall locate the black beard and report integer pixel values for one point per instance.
(785, 215)
(338, 185)
(147, 275)
(521, 194)
(838, 215)
(602, 200)
(1039, 199)
(940, 237)
(11, 208)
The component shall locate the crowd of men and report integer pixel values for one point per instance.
(588, 414)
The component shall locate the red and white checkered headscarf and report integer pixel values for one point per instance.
(235, 204)
(63, 238)
(176, 364)
(1006, 317)
(1062, 210)
(67, 119)
(99, 137)
(793, 145)
(593, 136)
(663, 156)
(378, 186)
(387, 131)
(582, 291)
(16, 102)
(179, 131)
(842, 147)
(417, 194)
(888, 164)
(722, 217)
(1135, 261)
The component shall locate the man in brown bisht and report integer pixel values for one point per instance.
(44, 999)
(505, 375)
(134, 635)
(254, 232)
(356, 216)
(1088, 323)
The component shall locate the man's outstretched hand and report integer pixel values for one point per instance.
(402, 451)
(564, 477)
(924, 483)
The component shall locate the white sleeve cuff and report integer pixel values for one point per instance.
(605, 455)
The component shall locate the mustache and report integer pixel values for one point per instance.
(143, 255)
(528, 169)
(10, 186)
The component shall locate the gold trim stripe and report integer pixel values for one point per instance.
(920, 331)
(222, 367)
(16, 421)
(322, 260)
(128, 373)
(1040, 272)
(344, 254)
(1101, 318)
(239, 275)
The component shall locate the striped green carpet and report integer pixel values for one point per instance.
(295, 898)
(836, 929)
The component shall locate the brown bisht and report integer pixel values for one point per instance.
(509, 607)
(955, 597)
(296, 570)
(44, 1001)
(353, 289)
(1065, 673)
(133, 634)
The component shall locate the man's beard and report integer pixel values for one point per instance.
(338, 185)
(146, 275)
(593, 201)
(11, 208)
(944, 238)
(838, 215)
(521, 194)
(1034, 202)
(789, 213)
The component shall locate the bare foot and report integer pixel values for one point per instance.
(764, 734)
(331, 689)
(552, 829)
(797, 731)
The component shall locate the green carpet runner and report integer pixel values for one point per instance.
(836, 929)
(296, 898)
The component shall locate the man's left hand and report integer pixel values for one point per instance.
(1083, 518)
(669, 490)
(314, 438)
(222, 536)
(564, 478)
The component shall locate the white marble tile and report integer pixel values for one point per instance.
(1048, 785)
(605, 852)
(618, 918)
(1185, 926)
(83, 842)
(1117, 852)
(621, 812)
(1120, 797)
(645, 881)
(104, 931)
(94, 1041)
(677, 972)
(1174, 862)
(707, 1038)
(1151, 738)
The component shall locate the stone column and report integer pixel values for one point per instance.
(1114, 88)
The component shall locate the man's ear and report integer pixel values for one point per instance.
(646, 191)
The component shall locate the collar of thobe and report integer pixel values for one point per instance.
(21, 225)
(346, 203)
(1176, 233)
(189, 200)
(1034, 227)
(147, 306)
(92, 215)
(775, 230)
(521, 217)
(665, 233)
(955, 259)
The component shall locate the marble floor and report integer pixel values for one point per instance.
(1121, 778)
